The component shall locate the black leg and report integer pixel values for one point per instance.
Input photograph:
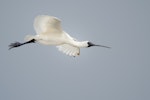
(18, 44)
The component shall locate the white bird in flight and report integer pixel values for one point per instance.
(49, 32)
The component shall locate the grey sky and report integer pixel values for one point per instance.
(37, 72)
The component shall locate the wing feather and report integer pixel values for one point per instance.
(69, 50)
(47, 24)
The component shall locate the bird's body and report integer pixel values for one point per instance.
(49, 32)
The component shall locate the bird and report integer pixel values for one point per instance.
(50, 32)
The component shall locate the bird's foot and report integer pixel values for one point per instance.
(13, 45)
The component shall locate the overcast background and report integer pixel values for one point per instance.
(38, 72)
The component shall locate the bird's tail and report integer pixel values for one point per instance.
(29, 37)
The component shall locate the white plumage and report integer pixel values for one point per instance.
(47, 24)
(69, 50)
(49, 32)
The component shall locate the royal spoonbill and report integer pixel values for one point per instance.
(49, 32)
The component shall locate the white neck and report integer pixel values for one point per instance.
(82, 44)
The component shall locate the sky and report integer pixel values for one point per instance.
(38, 72)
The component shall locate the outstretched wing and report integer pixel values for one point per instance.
(69, 50)
(47, 24)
